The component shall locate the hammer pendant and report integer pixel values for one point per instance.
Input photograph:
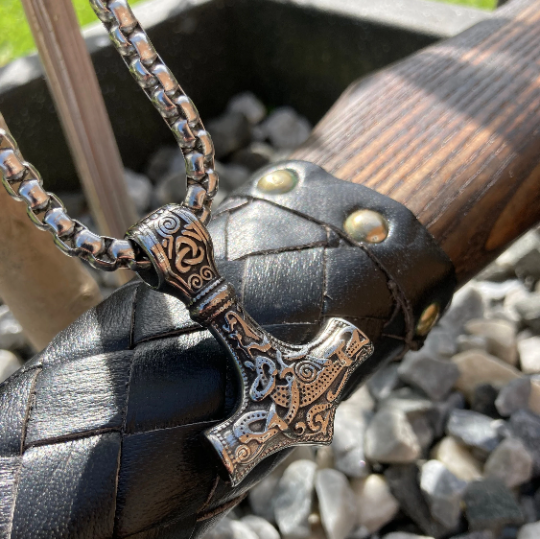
(289, 393)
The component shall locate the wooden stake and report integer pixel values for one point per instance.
(74, 86)
(44, 289)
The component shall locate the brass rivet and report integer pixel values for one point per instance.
(366, 225)
(278, 182)
(428, 319)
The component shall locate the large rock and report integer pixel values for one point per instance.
(403, 482)
(474, 430)
(530, 531)
(348, 445)
(261, 527)
(514, 396)
(523, 256)
(457, 459)
(9, 363)
(500, 336)
(435, 377)
(471, 342)
(529, 355)
(390, 438)
(510, 462)
(443, 492)
(529, 311)
(337, 503)
(526, 426)
(489, 505)
(477, 367)
(376, 506)
(294, 498)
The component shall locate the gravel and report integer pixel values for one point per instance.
(428, 425)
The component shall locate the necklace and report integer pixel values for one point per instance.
(289, 393)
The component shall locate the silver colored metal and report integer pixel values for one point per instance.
(366, 226)
(289, 394)
(23, 181)
(161, 87)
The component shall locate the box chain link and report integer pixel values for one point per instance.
(23, 181)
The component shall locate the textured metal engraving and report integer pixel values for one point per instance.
(289, 393)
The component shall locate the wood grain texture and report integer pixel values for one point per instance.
(77, 96)
(453, 133)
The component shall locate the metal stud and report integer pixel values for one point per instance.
(278, 182)
(428, 319)
(366, 226)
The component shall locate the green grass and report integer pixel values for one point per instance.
(15, 36)
(481, 4)
(16, 39)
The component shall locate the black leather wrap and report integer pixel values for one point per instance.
(101, 432)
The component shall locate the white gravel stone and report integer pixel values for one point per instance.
(139, 189)
(348, 445)
(361, 399)
(471, 342)
(529, 355)
(261, 497)
(11, 332)
(477, 367)
(405, 535)
(474, 430)
(529, 311)
(510, 462)
(261, 527)
(500, 336)
(286, 129)
(376, 506)
(337, 503)
(443, 492)
(249, 105)
(458, 459)
(227, 528)
(513, 396)
(467, 304)
(530, 531)
(294, 498)
(9, 363)
(390, 438)
(435, 377)
(384, 381)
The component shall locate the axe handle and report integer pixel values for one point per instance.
(453, 133)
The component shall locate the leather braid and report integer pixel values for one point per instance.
(101, 432)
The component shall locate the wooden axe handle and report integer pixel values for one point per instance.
(453, 133)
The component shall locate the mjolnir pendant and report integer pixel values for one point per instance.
(289, 393)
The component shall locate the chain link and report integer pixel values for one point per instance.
(23, 181)
(161, 87)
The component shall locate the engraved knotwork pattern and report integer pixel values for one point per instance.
(290, 393)
(181, 245)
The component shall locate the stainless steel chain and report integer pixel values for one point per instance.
(23, 181)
